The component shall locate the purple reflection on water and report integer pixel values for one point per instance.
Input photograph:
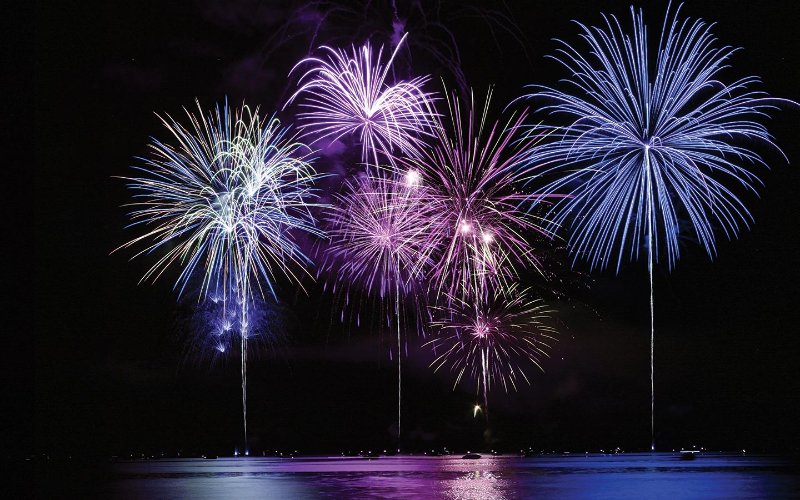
(570, 476)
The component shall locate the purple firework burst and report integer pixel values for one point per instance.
(378, 229)
(349, 94)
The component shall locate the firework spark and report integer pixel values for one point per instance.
(492, 341)
(216, 327)
(646, 147)
(225, 200)
(473, 167)
(348, 94)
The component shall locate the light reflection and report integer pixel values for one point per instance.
(554, 476)
(476, 479)
(475, 485)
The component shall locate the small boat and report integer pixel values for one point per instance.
(471, 456)
(689, 454)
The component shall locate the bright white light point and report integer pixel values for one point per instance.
(413, 178)
(466, 227)
(488, 237)
(481, 330)
(475, 410)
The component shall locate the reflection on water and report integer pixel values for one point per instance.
(478, 484)
(504, 477)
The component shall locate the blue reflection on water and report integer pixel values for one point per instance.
(573, 476)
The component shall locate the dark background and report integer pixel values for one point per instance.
(110, 374)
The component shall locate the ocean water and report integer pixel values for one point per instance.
(639, 476)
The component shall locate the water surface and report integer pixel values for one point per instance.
(660, 475)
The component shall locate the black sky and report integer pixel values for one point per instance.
(111, 375)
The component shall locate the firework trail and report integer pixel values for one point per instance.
(347, 94)
(378, 232)
(225, 200)
(644, 148)
(473, 167)
(492, 341)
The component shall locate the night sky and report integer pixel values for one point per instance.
(109, 371)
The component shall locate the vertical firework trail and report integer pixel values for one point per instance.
(244, 374)
(652, 302)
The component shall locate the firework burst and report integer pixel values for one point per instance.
(224, 201)
(378, 232)
(645, 148)
(478, 231)
(348, 94)
(492, 341)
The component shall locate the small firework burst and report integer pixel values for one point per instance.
(216, 327)
(493, 341)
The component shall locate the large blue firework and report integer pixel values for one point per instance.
(649, 143)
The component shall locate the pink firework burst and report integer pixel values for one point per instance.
(378, 230)
(473, 168)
